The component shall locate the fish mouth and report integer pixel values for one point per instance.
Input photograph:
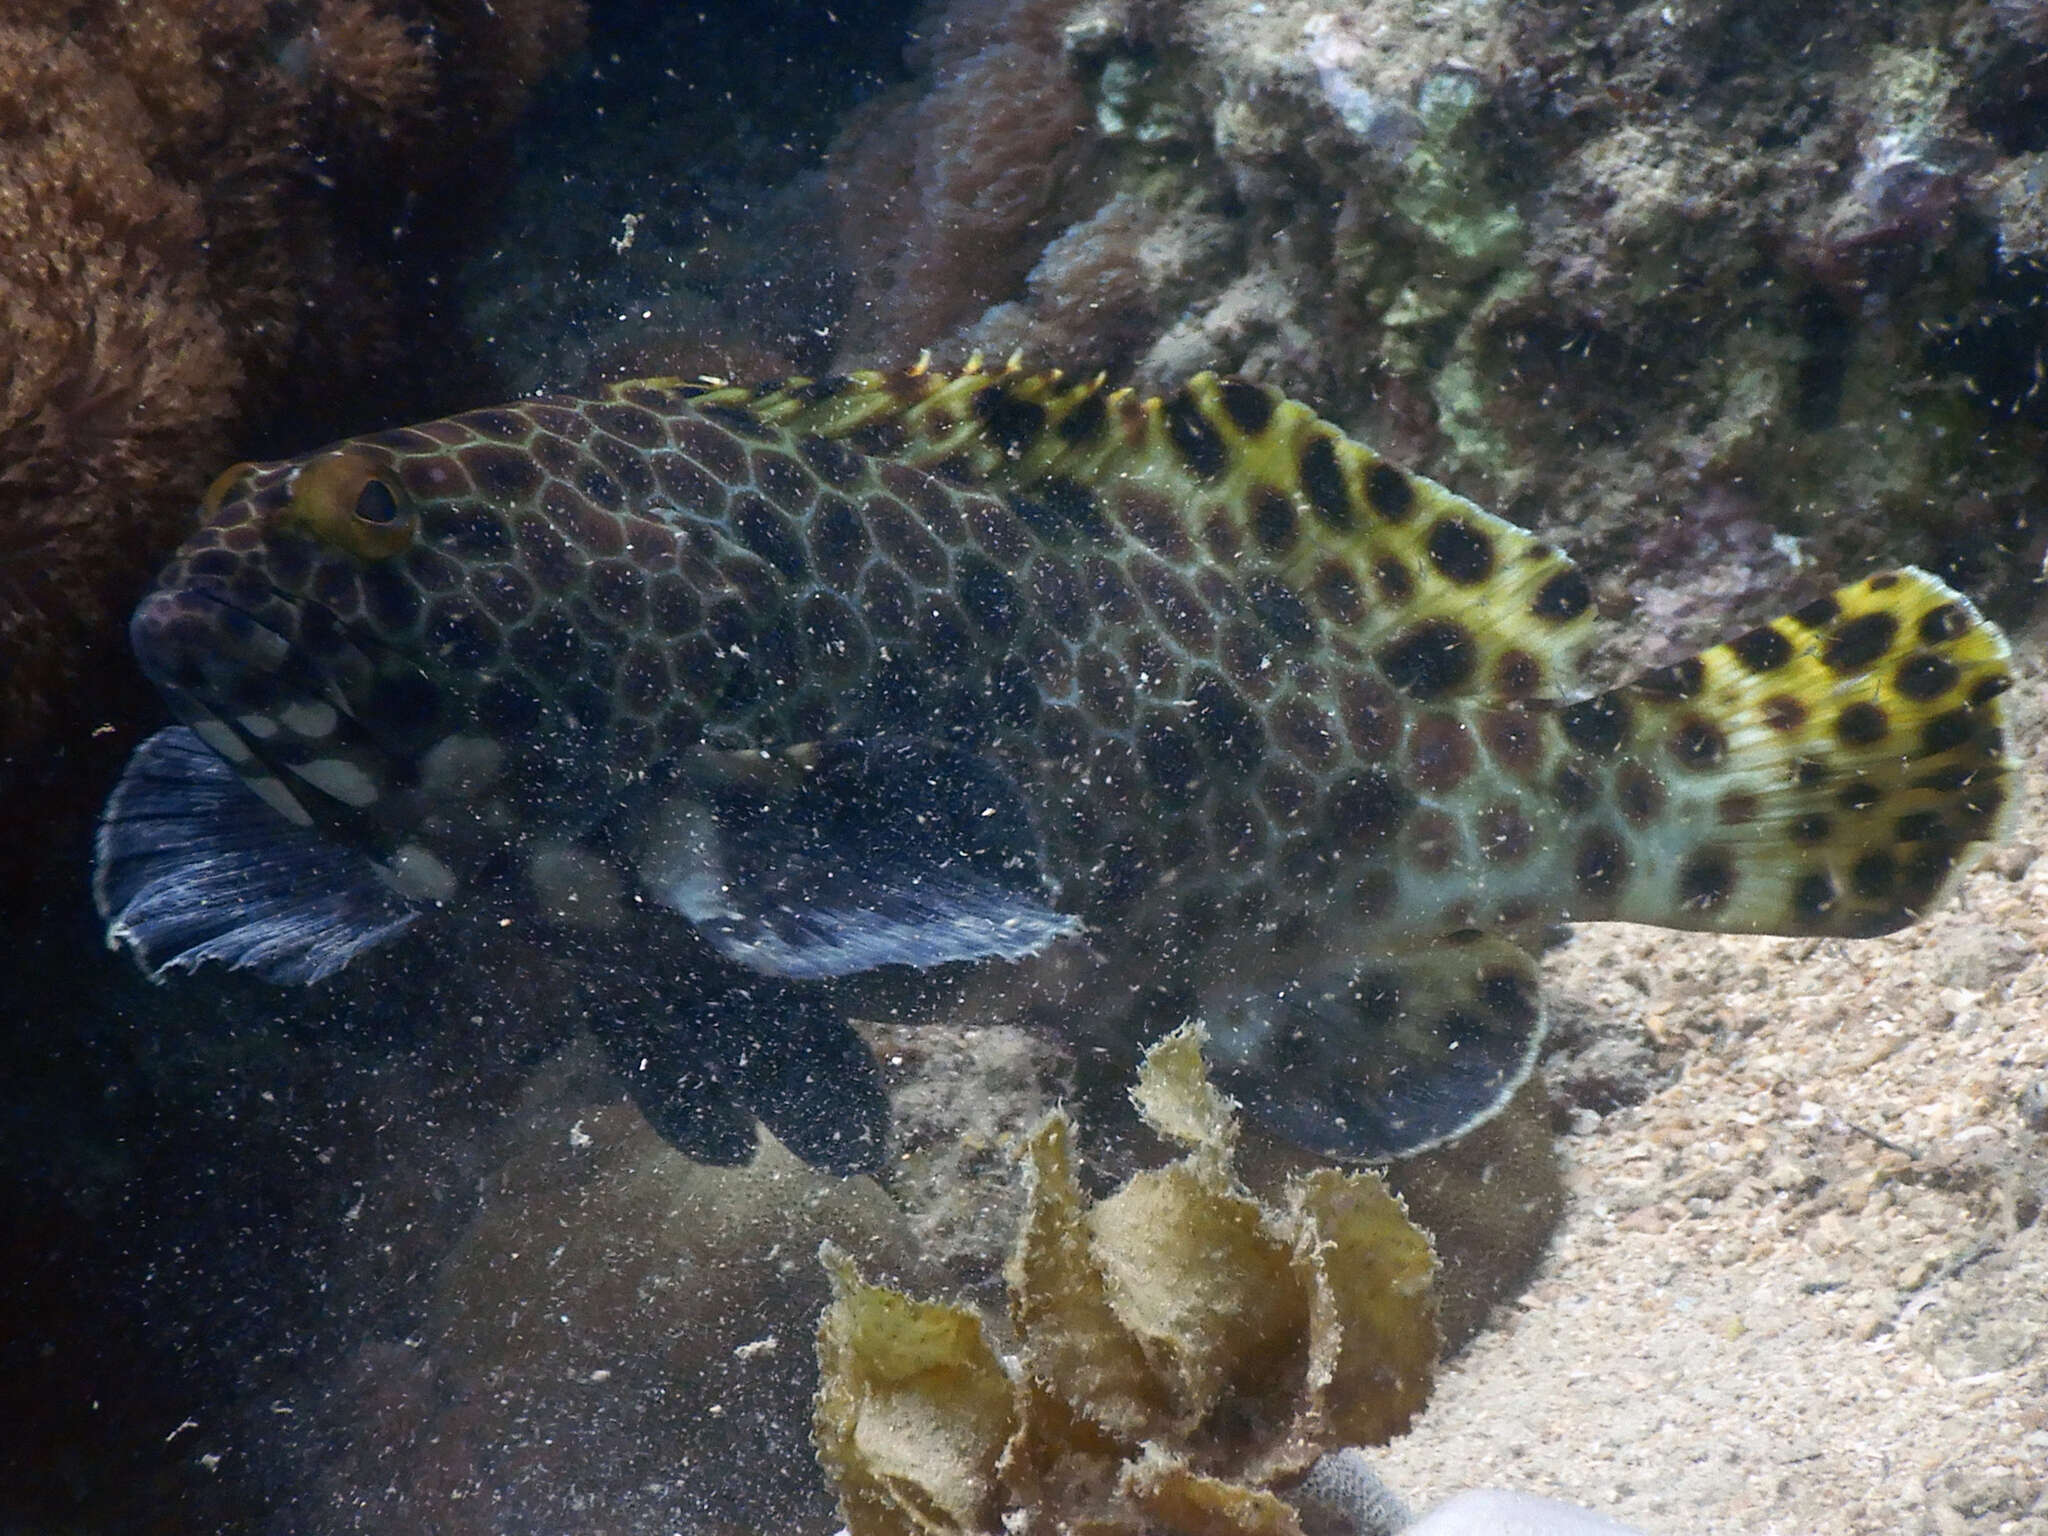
(258, 696)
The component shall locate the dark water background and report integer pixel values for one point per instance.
(178, 1163)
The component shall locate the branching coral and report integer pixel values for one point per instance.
(196, 202)
(1183, 1352)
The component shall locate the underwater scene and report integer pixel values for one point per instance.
(984, 767)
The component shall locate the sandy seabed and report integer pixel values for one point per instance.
(1803, 1286)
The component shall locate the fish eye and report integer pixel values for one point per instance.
(349, 501)
(376, 504)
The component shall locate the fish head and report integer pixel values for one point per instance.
(328, 631)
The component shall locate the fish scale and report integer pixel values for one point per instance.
(918, 669)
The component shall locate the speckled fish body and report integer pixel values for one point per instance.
(915, 669)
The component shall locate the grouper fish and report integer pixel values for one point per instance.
(917, 669)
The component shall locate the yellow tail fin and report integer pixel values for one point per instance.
(1824, 774)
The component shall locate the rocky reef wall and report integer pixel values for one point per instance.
(1720, 291)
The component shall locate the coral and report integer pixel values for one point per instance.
(1611, 269)
(1183, 1353)
(197, 199)
(945, 196)
(117, 365)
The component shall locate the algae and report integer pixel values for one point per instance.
(1177, 1355)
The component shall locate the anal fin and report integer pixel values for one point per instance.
(1387, 1055)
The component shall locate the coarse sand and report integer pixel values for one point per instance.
(1802, 1285)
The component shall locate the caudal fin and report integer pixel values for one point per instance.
(1824, 774)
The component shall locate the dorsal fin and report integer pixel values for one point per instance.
(1450, 599)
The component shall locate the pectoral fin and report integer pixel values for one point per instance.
(1386, 1056)
(191, 866)
(835, 858)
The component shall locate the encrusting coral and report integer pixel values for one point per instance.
(1181, 1354)
(198, 201)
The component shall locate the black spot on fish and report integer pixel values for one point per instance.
(770, 535)
(1322, 478)
(1600, 868)
(1924, 676)
(1063, 509)
(1762, 650)
(989, 597)
(1508, 996)
(1920, 827)
(1597, 725)
(1171, 761)
(1860, 642)
(1872, 876)
(1942, 624)
(390, 599)
(834, 463)
(1676, 683)
(628, 422)
(1562, 598)
(1576, 790)
(1706, 881)
(741, 423)
(1861, 724)
(471, 532)
(503, 474)
(818, 390)
(1273, 522)
(1013, 697)
(1699, 744)
(1390, 491)
(506, 425)
(1985, 689)
(1226, 724)
(1011, 423)
(1945, 732)
(1815, 827)
(1435, 657)
(601, 488)
(1084, 423)
(1461, 552)
(1282, 611)
(1366, 809)
(1248, 406)
(1819, 613)
(1194, 438)
(1812, 898)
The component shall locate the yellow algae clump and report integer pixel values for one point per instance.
(1178, 1354)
